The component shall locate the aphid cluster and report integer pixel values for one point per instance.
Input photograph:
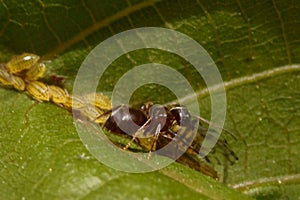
(157, 125)
(23, 73)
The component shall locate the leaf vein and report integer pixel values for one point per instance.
(96, 26)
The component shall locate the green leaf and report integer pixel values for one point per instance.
(256, 48)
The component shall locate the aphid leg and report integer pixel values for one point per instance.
(59, 104)
(66, 91)
(136, 134)
(34, 98)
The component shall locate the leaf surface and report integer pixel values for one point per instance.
(255, 46)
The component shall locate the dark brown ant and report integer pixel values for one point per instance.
(159, 126)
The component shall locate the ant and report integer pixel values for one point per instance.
(154, 127)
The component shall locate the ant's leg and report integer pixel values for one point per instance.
(153, 146)
(209, 123)
(136, 134)
(103, 115)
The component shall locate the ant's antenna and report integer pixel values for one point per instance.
(214, 125)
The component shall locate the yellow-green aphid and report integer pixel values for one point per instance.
(58, 95)
(93, 113)
(74, 102)
(18, 83)
(35, 72)
(5, 77)
(38, 91)
(99, 100)
(21, 62)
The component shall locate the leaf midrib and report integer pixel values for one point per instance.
(234, 83)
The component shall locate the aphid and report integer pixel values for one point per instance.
(35, 72)
(38, 90)
(18, 83)
(91, 106)
(58, 95)
(57, 80)
(5, 77)
(99, 100)
(74, 102)
(93, 113)
(8, 79)
(21, 62)
(162, 125)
